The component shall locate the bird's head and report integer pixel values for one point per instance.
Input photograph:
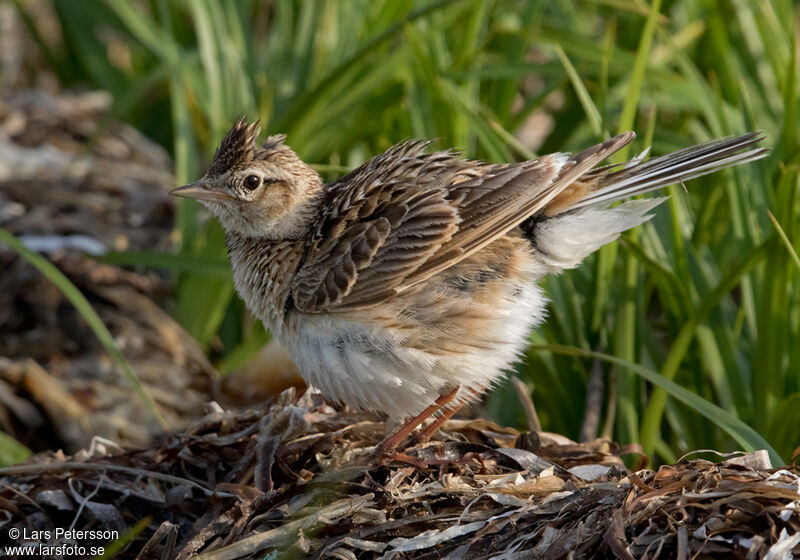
(257, 190)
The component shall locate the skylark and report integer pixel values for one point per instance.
(410, 285)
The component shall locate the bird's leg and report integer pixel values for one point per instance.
(427, 433)
(387, 449)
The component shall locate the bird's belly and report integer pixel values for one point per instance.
(398, 359)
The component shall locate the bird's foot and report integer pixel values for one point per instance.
(383, 456)
(391, 448)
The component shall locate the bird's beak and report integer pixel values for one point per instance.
(194, 190)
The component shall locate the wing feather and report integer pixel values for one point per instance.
(405, 216)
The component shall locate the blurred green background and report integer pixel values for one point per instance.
(703, 296)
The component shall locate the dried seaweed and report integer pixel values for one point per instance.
(295, 479)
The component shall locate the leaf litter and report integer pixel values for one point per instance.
(73, 181)
(293, 479)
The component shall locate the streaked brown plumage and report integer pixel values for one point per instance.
(415, 276)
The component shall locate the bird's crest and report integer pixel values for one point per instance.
(239, 146)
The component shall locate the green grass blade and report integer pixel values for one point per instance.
(201, 264)
(12, 451)
(625, 322)
(592, 113)
(160, 42)
(334, 75)
(185, 161)
(785, 239)
(628, 116)
(113, 548)
(651, 420)
(747, 437)
(208, 47)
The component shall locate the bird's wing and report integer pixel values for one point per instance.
(405, 216)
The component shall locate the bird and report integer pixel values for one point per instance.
(410, 285)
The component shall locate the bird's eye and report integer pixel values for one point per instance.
(252, 182)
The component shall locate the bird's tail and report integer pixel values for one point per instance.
(579, 220)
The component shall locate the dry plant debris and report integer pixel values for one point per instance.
(291, 481)
(71, 181)
(58, 386)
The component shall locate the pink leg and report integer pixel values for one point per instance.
(426, 434)
(387, 449)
